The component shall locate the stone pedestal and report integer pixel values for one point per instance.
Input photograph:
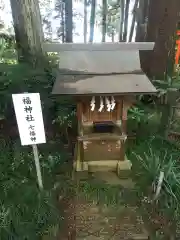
(124, 169)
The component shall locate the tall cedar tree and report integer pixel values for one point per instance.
(68, 21)
(28, 30)
(163, 17)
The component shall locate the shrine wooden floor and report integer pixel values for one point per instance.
(103, 208)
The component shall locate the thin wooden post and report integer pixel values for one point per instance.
(38, 168)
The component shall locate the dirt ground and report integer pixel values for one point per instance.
(88, 218)
(97, 222)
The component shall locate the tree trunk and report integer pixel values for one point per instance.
(92, 20)
(85, 21)
(121, 20)
(68, 21)
(162, 22)
(126, 20)
(112, 36)
(104, 21)
(28, 31)
(141, 19)
(133, 20)
(165, 113)
(63, 22)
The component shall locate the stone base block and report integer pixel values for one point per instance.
(124, 169)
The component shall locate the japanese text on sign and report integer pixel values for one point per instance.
(29, 118)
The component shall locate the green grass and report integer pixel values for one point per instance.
(26, 212)
(101, 192)
(149, 157)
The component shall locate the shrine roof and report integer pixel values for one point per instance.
(111, 84)
(103, 69)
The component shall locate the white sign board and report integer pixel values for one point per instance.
(29, 118)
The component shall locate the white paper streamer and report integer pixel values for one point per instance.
(113, 103)
(92, 104)
(101, 105)
(108, 104)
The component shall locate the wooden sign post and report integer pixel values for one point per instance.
(30, 124)
(38, 168)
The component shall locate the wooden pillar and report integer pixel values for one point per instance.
(123, 127)
(80, 149)
(79, 111)
(119, 110)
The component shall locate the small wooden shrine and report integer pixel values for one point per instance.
(104, 80)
